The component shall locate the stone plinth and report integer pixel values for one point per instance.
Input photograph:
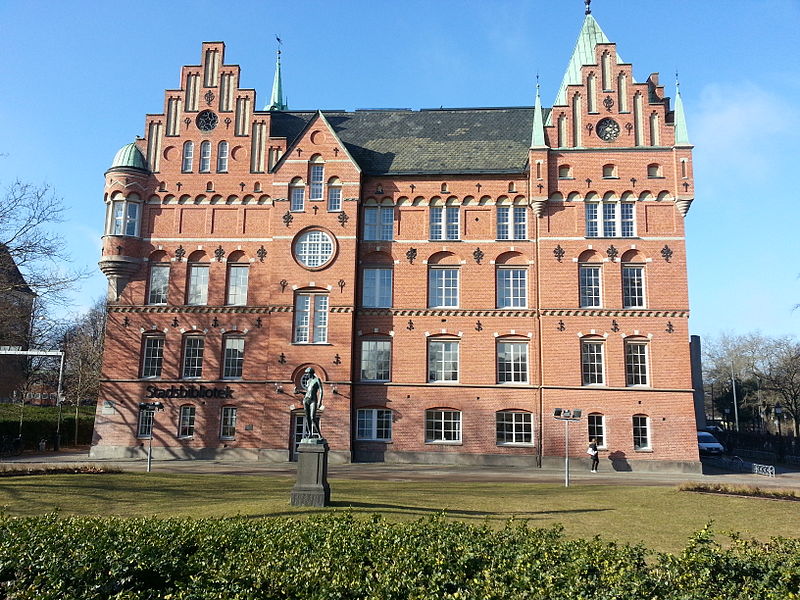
(312, 487)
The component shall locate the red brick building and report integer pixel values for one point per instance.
(453, 275)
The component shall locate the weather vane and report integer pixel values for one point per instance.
(588, 6)
(279, 43)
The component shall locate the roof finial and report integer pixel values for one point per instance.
(277, 100)
(677, 81)
(588, 6)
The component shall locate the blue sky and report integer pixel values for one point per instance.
(80, 76)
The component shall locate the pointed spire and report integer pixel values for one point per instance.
(537, 137)
(276, 100)
(681, 132)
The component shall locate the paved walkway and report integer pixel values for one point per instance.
(396, 472)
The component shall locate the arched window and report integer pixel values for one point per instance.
(297, 192)
(193, 349)
(222, 157)
(188, 157)
(197, 279)
(591, 92)
(592, 350)
(633, 288)
(205, 157)
(655, 130)
(311, 318)
(590, 271)
(514, 427)
(158, 284)
(238, 272)
(636, 362)
(334, 194)
(316, 178)
(152, 355)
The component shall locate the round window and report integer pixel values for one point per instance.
(313, 249)
(206, 120)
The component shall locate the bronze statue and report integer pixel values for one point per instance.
(312, 402)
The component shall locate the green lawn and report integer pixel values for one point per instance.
(660, 518)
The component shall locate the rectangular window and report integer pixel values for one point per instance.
(145, 426)
(311, 319)
(205, 157)
(589, 286)
(118, 218)
(592, 228)
(222, 157)
(152, 356)
(124, 217)
(159, 283)
(628, 229)
(378, 223)
(512, 362)
(445, 223)
(443, 288)
(188, 157)
(632, 286)
(375, 360)
(228, 423)
(443, 361)
(609, 220)
(193, 357)
(641, 432)
(592, 363)
(198, 285)
(132, 218)
(442, 426)
(377, 288)
(317, 175)
(233, 358)
(297, 198)
(512, 288)
(374, 424)
(334, 198)
(618, 219)
(237, 284)
(636, 363)
(186, 421)
(512, 223)
(514, 427)
(597, 429)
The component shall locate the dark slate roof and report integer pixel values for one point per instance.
(10, 276)
(448, 141)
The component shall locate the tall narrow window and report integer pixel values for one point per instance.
(188, 157)
(377, 287)
(442, 287)
(374, 424)
(237, 284)
(512, 223)
(198, 285)
(375, 360)
(512, 362)
(609, 219)
(445, 223)
(636, 363)
(512, 287)
(590, 286)
(205, 157)
(592, 363)
(442, 426)
(228, 423)
(633, 286)
(124, 218)
(222, 157)
(317, 177)
(193, 347)
(597, 429)
(591, 93)
(627, 216)
(233, 357)
(145, 424)
(514, 427)
(158, 284)
(378, 223)
(334, 195)
(641, 432)
(606, 71)
(655, 130)
(592, 223)
(152, 356)
(311, 319)
(297, 194)
(186, 421)
(443, 360)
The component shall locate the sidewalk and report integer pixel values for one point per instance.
(406, 472)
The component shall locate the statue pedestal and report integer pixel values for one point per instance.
(312, 487)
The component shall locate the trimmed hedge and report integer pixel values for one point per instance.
(341, 557)
(39, 422)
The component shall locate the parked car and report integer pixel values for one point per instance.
(713, 429)
(708, 444)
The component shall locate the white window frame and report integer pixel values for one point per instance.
(637, 364)
(205, 157)
(186, 421)
(443, 426)
(193, 351)
(517, 371)
(158, 284)
(124, 218)
(227, 421)
(238, 278)
(512, 223)
(145, 422)
(316, 180)
(297, 197)
(592, 362)
(597, 430)
(152, 356)
(443, 361)
(222, 157)
(376, 287)
(443, 287)
(311, 318)
(187, 161)
(610, 219)
(641, 423)
(374, 425)
(376, 360)
(314, 248)
(512, 288)
(519, 426)
(197, 290)
(445, 223)
(633, 286)
(232, 357)
(378, 223)
(334, 197)
(590, 285)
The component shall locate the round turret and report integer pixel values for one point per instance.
(129, 157)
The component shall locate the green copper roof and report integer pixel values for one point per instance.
(129, 157)
(681, 133)
(588, 38)
(276, 100)
(537, 137)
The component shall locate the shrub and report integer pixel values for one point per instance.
(752, 491)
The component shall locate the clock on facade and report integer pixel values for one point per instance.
(207, 120)
(607, 129)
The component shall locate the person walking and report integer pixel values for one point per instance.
(592, 451)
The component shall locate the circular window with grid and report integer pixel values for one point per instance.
(314, 248)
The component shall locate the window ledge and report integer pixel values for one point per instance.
(442, 443)
(656, 177)
(513, 240)
(227, 439)
(374, 441)
(515, 445)
(566, 178)
(311, 344)
(644, 451)
(144, 437)
(610, 177)
(375, 381)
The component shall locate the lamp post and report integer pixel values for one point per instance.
(778, 416)
(151, 407)
(567, 415)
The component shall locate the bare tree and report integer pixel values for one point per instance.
(83, 340)
(779, 369)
